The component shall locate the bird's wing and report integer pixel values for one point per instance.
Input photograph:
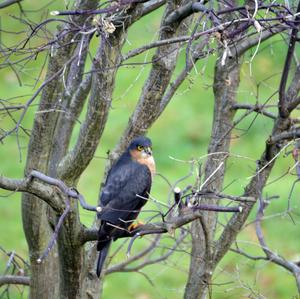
(116, 180)
(122, 196)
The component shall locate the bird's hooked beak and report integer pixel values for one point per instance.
(148, 150)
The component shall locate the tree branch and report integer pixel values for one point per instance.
(104, 70)
(14, 279)
(245, 254)
(30, 101)
(131, 259)
(187, 215)
(256, 108)
(271, 256)
(184, 11)
(34, 183)
(150, 6)
(283, 104)
(163, 64)
(288, 135)
(110, 9)
(293, 100)
(122, 267)
(7, 3)
(35, 187)
(250, 41)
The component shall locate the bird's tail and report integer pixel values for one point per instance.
(102, 256)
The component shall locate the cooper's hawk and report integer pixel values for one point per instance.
(126, 190)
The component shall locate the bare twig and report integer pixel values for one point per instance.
(134, 258)
(30, 101)
(272, 256)
(245, 254)
(55, 233)
(256, 108)
(149, 261)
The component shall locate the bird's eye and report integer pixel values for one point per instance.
(139, 147)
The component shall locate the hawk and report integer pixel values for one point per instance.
(125, 192)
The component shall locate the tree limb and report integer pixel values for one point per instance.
(293, 100)
(38, 183)
(288, 135)
(248, 42)
(7, 3)
(256, 108)
(131, 259)
(284, 110)
(123, 267)
(187, 215)
(271, 256)
(14, 279)
(104, 70)
(147, 109)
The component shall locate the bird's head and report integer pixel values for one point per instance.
(141, 148)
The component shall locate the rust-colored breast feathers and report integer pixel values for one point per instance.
(146, 160)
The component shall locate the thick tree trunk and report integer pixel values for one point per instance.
(226, 82)
(38, 218)
(44, 276)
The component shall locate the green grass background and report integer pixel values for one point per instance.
(182, 132)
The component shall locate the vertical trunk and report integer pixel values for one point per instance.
(91, 285)
(44, 277)
(38, 229)
(226, 82)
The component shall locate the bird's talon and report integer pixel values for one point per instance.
(135, 225)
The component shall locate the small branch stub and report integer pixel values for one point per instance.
(177, 190)
(54, 13)
(177, 197)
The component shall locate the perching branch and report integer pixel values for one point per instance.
(187, 215)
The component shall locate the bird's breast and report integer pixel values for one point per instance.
(149, 162)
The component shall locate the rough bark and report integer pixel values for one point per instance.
(226, 82)
(163, 65)
(45, 277)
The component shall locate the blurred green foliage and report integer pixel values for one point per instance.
(182, 133)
